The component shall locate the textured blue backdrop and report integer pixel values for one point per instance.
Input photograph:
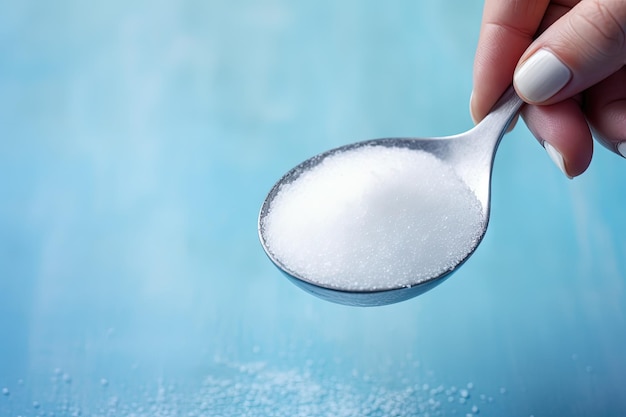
(137, 142)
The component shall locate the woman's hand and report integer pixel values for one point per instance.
(566, 59)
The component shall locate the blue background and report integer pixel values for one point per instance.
(137, 142)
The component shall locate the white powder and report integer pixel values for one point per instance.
(373, 218)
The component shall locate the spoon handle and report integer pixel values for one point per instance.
(473, 156)
(503, 112)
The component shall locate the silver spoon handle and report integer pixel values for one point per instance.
(473, 156)
(503, 112)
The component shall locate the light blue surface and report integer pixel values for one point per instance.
(137, 142)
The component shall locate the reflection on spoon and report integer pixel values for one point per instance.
(381, 221)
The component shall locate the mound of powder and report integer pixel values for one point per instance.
(373, 218)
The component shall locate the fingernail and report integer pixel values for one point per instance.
(557, 158)
(541, 76)
(621, 148)
(471, 108)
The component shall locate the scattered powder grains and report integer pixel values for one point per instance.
(373, 217)
(252, 389)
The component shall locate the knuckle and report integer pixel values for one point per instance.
(600, 29)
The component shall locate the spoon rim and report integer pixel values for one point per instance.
(294, 173)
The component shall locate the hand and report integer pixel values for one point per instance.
(566, 59)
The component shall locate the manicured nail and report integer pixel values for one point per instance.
(621, 148)
(471, 108)
(557, 158)
(541, 76)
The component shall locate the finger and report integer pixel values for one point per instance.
(563, 131)
(507, 29)
(580, 49)
(554, 13)
(605, 107)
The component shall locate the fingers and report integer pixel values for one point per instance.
(579, 50)
(554, 13)
(605, 107)
(507, 29)
(563, 131)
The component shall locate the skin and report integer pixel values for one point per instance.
(589, 36)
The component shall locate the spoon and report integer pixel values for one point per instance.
(470, 155)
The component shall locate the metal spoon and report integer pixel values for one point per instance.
(469, 154)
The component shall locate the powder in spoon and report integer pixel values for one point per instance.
(373, 218)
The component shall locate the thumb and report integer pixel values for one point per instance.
(586, 45)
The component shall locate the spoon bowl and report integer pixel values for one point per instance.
(469, 155)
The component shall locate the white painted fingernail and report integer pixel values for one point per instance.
(621, 148)
(470, 108)
(541, 76)
(556, 157)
